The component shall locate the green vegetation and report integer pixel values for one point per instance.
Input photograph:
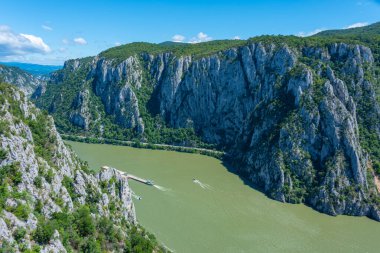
(11, 174)
(19, 234)
(81, 232)
(368, 121)
(156, 128)
(21, 211)
(84, 229)
(137, 144)
(38, 182)
(158, 131)
(44, 140)
(69, 184)
(3, 154)
(3, 125)
(199, 50)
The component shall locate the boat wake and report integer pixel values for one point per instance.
(136, 196)
(203, 185)
(161, 188)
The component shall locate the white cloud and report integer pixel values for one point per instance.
(47, 28)
(80, 41)
(356, 25)
(178, 38)
(236, 38)
(201, 37)
(117, 44)
(12, 43)
(307, 34)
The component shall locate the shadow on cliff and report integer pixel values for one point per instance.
(243, 177)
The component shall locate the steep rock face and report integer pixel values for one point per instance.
(114, 85)
(81, 116)
(263, 105)
(41, 177)
(290, 117)
(23, 80)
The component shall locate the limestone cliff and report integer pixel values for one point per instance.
(49, 200)
(294, 118)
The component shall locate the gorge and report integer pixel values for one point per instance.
(299, 117)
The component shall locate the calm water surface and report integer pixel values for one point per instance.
(219, 213)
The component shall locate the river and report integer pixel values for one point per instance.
(217, 212)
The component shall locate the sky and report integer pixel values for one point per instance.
(50, 32)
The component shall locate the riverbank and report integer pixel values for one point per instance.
(208, 152)
(245, 219)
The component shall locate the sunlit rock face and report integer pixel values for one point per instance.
(290, 117)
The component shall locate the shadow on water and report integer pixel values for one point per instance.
(243, 176)
(226, 162)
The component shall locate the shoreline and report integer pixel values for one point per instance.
(145, 145)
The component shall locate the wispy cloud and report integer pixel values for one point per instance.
(12, 43)
(201, 37)
(356, 25)
(80, 41)
(47, 28)
(178, 38)
(117, 44)
(307, 34)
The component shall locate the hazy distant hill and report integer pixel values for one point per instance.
(25, 81)
(34, 69)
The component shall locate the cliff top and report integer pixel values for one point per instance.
(367, 35)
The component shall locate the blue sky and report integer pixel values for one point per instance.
(49, 32)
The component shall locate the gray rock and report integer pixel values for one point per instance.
(290, 125)
(64, 167)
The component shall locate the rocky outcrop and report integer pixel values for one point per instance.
(80, 116)
(40, 176)
(114, 85)
(289, 116)
(23, 80)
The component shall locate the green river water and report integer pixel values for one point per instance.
(220, 213)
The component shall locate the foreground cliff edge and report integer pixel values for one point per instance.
(299, 117)
(49, 200)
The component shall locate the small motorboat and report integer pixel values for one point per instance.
(149, 182)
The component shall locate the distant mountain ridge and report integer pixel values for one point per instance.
(34, 69)
(25, 81)
(373, 29)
